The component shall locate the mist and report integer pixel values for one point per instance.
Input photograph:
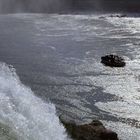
(50, 6)
(12, 6)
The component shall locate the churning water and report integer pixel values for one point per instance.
(23, 116)
(58, 56)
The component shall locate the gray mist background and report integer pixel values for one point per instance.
(45, 6)
(32, 5)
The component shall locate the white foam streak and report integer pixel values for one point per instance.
(130, 133)
(28, 116)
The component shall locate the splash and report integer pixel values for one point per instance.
(23, 116)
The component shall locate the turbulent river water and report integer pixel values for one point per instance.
(58, 57)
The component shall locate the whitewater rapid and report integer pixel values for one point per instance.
(23, 116)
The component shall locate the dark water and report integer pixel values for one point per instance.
(58, 56)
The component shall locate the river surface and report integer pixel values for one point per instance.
(52, 59)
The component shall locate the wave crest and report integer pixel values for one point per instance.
(27, 115)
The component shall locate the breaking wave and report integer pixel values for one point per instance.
(23, 116)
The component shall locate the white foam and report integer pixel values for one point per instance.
(128, 109)
(130, 133)
(27, 115)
